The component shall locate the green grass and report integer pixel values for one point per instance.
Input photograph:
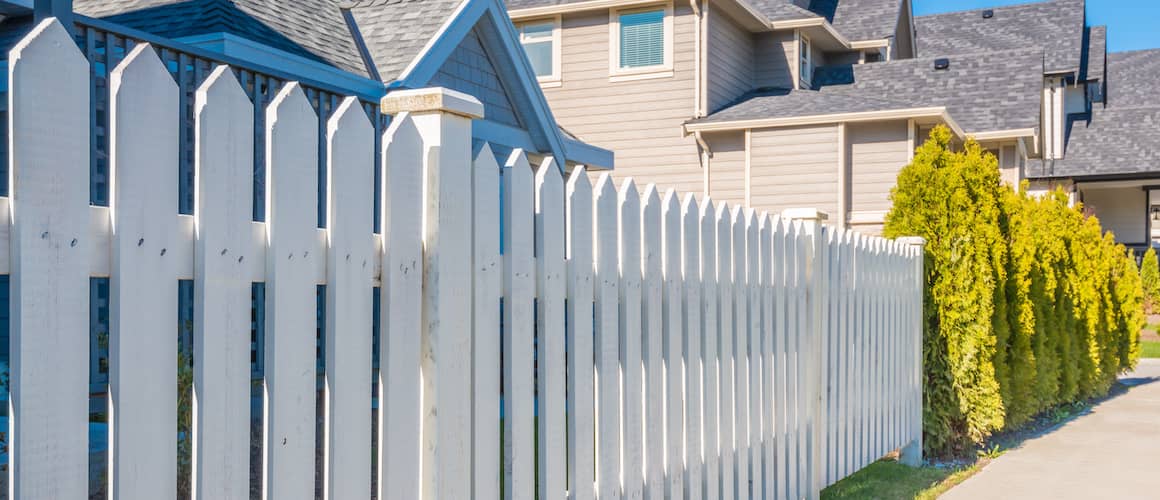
(1149, 349)
(890, 480)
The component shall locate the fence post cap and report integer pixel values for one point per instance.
(913, 241)
(804, 214)
(431, 100)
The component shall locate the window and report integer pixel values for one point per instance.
(542, 44)
(805, 61)
(642, 44)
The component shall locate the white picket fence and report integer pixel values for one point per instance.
(678, 348)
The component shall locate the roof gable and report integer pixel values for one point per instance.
(470, 70)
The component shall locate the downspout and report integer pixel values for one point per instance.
(706, 156)
(698, 68)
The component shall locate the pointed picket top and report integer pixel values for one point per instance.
(221, 88)
(689, 206)
(142, 64)
(516, 158)
(671, 217)
(49, 44)
(578, 183)
(628, 196)
(291, 103)
(548, 176)
(485, 158)
(650, 199)
(349, 115)
(605, 187)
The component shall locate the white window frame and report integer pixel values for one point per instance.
(556, 78)
(618, 74)
(805, 80)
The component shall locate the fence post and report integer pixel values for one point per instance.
(443, 119)
(812, 219)
(911, 453)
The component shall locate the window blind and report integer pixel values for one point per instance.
(642, 39)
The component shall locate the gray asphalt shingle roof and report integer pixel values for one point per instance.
(860, 19)
(395, 31)
(314, 29)
(1055, 26)
(983, 92)
(1121, 138)
(1096, 53)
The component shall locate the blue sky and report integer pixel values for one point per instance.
(1132, 24)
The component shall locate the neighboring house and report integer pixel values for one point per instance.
(780, 103)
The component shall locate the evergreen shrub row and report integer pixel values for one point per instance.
(1029, 303)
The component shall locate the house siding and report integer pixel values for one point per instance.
(774, 65)
(1121, 211)
(727, 167)
(469, 69)
(794, 167)
(639, 120)
(731, 54)
(877, 152)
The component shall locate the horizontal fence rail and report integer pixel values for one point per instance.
(545, 334)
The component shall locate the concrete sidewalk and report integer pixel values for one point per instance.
(1112, 452)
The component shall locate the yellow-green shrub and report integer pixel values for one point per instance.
(1029, 303)
(1150, 274)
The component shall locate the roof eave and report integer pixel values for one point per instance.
(936, 112)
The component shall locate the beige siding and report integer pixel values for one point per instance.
(640, 120)
(794, 167)
(727, 167)
(1121, 211)
(775, 66)
(730, 61)
(877, 152)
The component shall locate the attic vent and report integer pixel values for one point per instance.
(941, 64)
(987, 14)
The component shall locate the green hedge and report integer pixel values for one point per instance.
(1150, 273)
(1029, 304)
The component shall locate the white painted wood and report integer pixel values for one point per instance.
(752, 373)
(725, 328)
(781, 252)
(581, 390)
(796, 460)
(740, 240)
(350, 205)
(691, 317)
(711, 226)
(400, 335)
(632, 314)
(607, 338)
(672, 345)
(446, 338)
(291, 217)
(485, 317)
(143, 285)
(767, 448)
(652, 327)
(49, 160)
(221, 350)
(519, 283)
(550, 271)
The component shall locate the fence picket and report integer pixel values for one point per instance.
(402, 281)
(291, 202)
(741, 329)
(350, 198)
(581, 408)
(607, 338)
(486, 338)
(674, 393)
(632, 403)
(711, 227)
(765, 375)
(221, 350)
(781, 252)
(753, 353)
(691, 317)
(652, 327)
(725, 328)
(550, 328)
(518, 373)
(143, 282)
